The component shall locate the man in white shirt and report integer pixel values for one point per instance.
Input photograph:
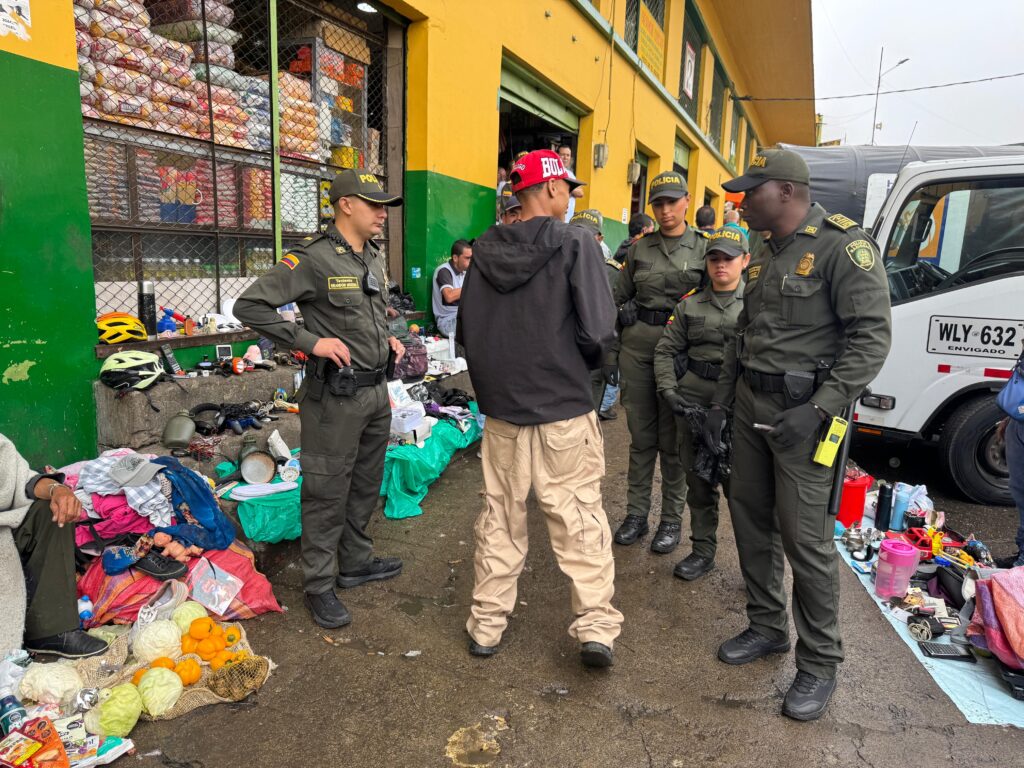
(565, 153)
(447, 286)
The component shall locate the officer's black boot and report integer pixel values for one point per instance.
(632, 529)
(73, 644)
(377, 569)
(666, 539)
(328, 611)
(750, 645)
(693, 566)
(808, 696)
(594, 654)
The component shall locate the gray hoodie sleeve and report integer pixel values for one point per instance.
(595, 311)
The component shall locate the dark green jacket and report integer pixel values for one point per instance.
(820, 296)
(325, 278)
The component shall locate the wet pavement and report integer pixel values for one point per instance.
(397, 687)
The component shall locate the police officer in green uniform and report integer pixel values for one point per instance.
(592, 221)
(814, 330)
(659, 270)
(340, 287)
(687, 363)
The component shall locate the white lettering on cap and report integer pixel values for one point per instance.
(551, 167)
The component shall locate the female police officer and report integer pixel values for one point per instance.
(687, 361)
(659, 270)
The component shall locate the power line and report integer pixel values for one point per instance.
(880, 93)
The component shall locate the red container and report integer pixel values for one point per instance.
(851, 507)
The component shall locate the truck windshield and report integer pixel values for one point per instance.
(955, 233)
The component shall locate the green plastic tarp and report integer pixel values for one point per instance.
(409, 470)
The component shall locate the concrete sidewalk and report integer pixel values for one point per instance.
(353, 698)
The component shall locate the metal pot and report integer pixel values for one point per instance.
(258, 467)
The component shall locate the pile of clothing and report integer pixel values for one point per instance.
(147, 519)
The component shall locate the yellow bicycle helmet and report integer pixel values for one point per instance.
(120, 328)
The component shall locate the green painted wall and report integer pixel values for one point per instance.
(47, 320)
(439, 210)
(614, 232)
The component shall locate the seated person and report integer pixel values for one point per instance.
(37, 596)
(447, 287)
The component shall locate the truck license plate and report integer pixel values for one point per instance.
(976, 337)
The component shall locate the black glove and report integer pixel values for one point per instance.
(676, 402)
(681, 364)
(611, 375)
(714, 425)
(627, 313)
(794, 426)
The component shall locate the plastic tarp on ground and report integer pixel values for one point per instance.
(978, 691)
(409, 470)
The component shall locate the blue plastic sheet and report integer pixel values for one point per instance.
(978, 691)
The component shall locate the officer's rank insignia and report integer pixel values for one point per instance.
(290, 260)
(806, 265)
(861, 254)
(343, 283)
(753, 272)
(841, 222)
(810, 229)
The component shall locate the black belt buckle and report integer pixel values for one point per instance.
(343, 382)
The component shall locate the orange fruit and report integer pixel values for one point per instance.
(188, 644)
(138, 675)
(202, 628)
(164, 661)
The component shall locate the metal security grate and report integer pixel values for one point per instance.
(179, 136)
(657, 10)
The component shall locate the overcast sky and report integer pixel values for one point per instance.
(945, 40)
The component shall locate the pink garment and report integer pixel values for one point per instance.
(116, 518)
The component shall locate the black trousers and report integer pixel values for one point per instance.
(48, 560)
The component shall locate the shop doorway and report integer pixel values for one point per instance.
(638, 200)
(520, 130)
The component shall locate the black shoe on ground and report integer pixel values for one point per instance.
(378, 569)
(327, 610)
(594, 654)
(666, 538)
(608, 415)
(808, 696)
(632, 529)
(750, 645)
(74, 644)
(475, 649)
(693, 566)
(160, 567)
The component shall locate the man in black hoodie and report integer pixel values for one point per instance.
(535, 318)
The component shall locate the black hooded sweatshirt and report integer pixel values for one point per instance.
(535, 317)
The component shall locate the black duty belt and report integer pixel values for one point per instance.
(775, 382)
(653, 316)
(344, 381)
(704, 369)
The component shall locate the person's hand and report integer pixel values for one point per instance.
(714, 425)
(397, 347)
(333, 349)
(64, 505)
(676, 402)
(392, 313)
(795, 425)
(611, 375)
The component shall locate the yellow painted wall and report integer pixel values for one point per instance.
(455, 52)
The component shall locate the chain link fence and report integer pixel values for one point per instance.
(179, 136)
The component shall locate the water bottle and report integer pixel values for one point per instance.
(84, 609)
(883, 510)
(12, 714)
(147, 307)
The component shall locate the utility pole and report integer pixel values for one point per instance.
(878, 87)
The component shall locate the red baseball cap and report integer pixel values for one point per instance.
(537, 167)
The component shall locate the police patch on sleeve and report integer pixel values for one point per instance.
(753, 272)
(290, 260)
(842, 222)
(861, 254)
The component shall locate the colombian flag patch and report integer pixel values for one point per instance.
(290, 260)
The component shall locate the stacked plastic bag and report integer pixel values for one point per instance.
(299, 134)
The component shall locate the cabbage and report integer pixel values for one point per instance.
(156, 639)
(186, 613)
(117, 713)
(160, 689)
(50, 683)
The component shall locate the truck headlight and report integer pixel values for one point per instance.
(882, 402)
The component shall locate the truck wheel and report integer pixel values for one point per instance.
(973, 455)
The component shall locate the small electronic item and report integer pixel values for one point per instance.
(947, 651)
(762, 427)
(224, 352)
(828, 446)
(172, 361)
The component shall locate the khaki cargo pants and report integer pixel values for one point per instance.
(563, 462)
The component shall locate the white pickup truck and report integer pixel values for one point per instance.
(952, 234)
